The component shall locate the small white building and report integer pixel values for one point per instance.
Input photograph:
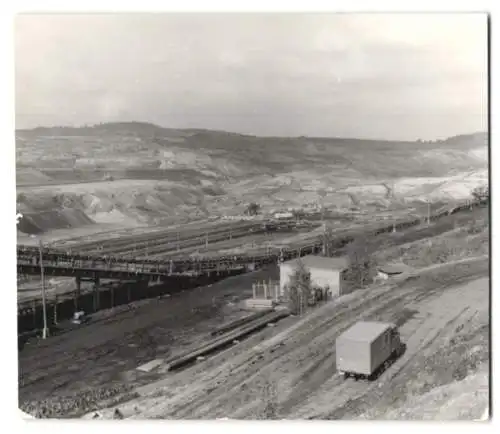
(325, 273)
(283, 215)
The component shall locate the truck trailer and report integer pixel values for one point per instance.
(367, 348)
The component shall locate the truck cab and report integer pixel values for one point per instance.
(395, 340)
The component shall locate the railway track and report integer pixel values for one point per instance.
(172, 243)
(213, 247)
(169, 240)
(170, 235)
(230, 262)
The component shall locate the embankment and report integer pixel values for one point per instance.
(33, 223)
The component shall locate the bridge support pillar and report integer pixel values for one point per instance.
(33, 308)
(55, 310)
(96, 294)
(78, 281)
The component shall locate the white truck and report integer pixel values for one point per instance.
(367, 348)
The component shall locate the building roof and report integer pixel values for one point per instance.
(320, 262)
(365, 331)
(394, 268)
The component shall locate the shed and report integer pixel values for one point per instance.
(325, 272)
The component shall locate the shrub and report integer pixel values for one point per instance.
(481, 193)
(252, 209)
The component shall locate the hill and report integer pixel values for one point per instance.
(140, 173)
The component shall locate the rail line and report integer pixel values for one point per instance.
(169, 240)
(59, 263)
(170, 243)
(166, 234)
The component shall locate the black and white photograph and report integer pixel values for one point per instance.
(252, 216)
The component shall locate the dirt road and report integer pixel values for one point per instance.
(443, 315)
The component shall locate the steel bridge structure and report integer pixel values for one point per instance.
(93, 268)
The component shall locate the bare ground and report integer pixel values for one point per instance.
(444, 320)
(441, 321)
(100, 354)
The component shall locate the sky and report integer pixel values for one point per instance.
(384, 76)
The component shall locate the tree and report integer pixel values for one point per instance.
(252, 209)
(361, 262)
(327, 240)
(481, 193)
(299, 289)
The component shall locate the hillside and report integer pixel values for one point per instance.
(140, 174)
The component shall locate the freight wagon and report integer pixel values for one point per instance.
(367, 348)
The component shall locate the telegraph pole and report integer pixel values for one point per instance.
(325, 241)
(42, 277)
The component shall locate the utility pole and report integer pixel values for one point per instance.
(42, 277)
(178, 242)
(300, 302)
(325, 241)
(428, 212)
(206, 240)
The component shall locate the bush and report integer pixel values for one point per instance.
(252, 209)
(477, 227)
